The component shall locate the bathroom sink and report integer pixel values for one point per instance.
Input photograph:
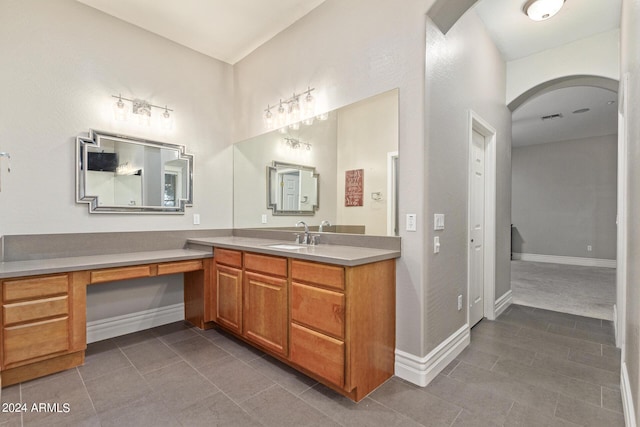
(285, 246)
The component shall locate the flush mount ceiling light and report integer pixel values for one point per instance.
(540, 10)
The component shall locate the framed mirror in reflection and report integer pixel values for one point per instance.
(363, 136)
(292, 189)
(122, 174)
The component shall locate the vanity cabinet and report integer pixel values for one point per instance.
(228, 289)
(265, 302)
(334, 323)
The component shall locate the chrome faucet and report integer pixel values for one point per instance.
(322, 224)
(303, 238)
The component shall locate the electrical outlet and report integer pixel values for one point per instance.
(459, 302)
(436, 245)
(589, 248)
(196, 219)
(264, 218)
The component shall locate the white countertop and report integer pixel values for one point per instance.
(331, 254)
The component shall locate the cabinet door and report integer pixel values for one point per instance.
(229, 297)
(265, 311)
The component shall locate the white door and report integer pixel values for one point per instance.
(291, 191)
(476, 224)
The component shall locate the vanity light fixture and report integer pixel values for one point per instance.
(292, 111)
(541, 10)
(296, 144)
(142, 111)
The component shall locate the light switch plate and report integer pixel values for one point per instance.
(438, 221)
(411, 222)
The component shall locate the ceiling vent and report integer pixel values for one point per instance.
(552, 116)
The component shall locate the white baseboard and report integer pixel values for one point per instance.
(422, 370)
(103, 329)
(569, 260)
(503, 302)
(627, 398)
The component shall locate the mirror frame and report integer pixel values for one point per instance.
(273, 204)
(94, 140)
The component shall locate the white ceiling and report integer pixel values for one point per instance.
(227, 30)
(517, 36)
(600, 120)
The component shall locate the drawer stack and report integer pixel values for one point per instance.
(35, 318)
(318, 319)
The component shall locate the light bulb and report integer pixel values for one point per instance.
(144, 117)
(268, 118)
(282, 115)
(294, 109)
(120, 110)
(309, 104)
(166, 119)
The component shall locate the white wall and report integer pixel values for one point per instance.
(61, 62)
(366, 132)
(630, 64)
(564, 198)
(597, 56)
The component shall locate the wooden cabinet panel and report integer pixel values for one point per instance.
(265, 311)
(228, 257)
(27, 311)
(179, 267)
(33, 340)
(120, 273)
(35, 287)
(330, 276)
(229, 297)
(274, 266)
(318, 309)
(318, 353)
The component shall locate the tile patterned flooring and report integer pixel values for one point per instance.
(531, 367)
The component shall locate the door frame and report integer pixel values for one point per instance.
(476, 123)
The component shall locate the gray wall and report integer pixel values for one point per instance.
(564, 198)
(464, 71)
(630, 56)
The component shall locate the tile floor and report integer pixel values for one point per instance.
(531, 367)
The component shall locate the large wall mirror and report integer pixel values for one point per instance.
(121, 174)
(360, 138)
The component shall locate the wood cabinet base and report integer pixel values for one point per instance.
(40, 369)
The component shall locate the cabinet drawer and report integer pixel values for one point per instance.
(330, 276)
(228, 257)
(28, 311)
(318, 353)
(36, 287)
(272, 265)
(120, 273)
(33, 340)
(179, 267)
(318, 308)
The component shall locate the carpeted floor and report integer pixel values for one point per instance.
(585, 291)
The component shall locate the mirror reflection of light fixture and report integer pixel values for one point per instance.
(296, 144)
(141, 109)
(292, 111)
(540, 10)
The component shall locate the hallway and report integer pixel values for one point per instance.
(574, 289)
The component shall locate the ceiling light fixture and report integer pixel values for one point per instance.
(541, 10)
